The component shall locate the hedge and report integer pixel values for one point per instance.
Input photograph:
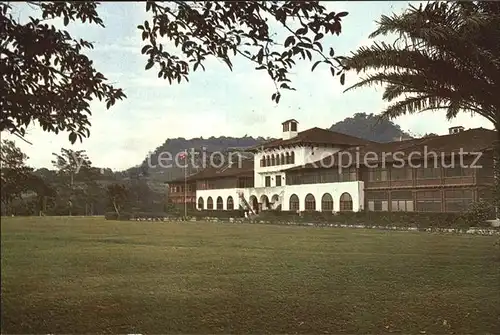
(115, 216)
(418, 220)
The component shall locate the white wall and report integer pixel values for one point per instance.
(303, 155)
(354, 188)
(224, 193)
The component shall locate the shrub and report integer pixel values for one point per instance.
(125, 216)
(115, 216)
(217, 213)
(477, 214)
(111, 216)
(151, 215)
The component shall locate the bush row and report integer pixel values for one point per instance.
(129, 216)
(474, 217)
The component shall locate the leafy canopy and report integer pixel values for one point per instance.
(447, 56)
(226, 29)
(46, 77)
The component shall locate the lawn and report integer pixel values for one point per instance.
(88, 275)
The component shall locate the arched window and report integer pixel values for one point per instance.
(327, 202)
(273, 161)
(230, 203)
(292, 158)
(287, 158)
(262, 161)
(268, 161)
(210, 203)
(283, 159)
(200, 203)
(294, 202)
(345, 202)
(278, 159)
(310, 202)
(220, 203)
(275, 200)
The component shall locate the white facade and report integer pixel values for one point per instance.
(283, 194)
(277, 193)
(302, 155)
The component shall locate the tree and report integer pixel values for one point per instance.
(447, 57)
(46, 78)
(118, 196)
(13, 171)
(224, 29)
(70, 163)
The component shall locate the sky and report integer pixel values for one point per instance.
(216, 102)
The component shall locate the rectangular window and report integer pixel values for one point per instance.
(294, 126)
(378, 201)
(402, 201)
(348, 174)
(458, 200)
(278, 180)
(457, 171)
(429, 173)
(378, 205)
(402, 173)
(268, 181)
(429, 201)
(377, 174)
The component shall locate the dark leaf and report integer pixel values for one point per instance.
(318, 37)
(289, 40)
(314, 65)
(149, 65)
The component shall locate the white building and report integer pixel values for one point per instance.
(266, 181)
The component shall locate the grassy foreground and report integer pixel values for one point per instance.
(82, 275)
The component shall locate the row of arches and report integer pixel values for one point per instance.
(277, 159)
(219, 203)
(345, 202)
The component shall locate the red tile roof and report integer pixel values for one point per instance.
(244, 170)
(472, 140)
(315, 136)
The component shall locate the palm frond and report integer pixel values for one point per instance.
(446, 56)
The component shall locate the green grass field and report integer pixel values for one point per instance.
(81, 275)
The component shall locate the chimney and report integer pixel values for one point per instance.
(456, 130)
(289, 129)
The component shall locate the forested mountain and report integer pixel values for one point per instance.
(367, 126)
(370, 127)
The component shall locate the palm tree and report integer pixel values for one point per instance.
(446, 57)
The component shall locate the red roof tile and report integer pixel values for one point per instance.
(472, 140)
(245, 169)
(315, 136)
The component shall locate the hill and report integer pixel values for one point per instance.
(367, 126)
(370, 127)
